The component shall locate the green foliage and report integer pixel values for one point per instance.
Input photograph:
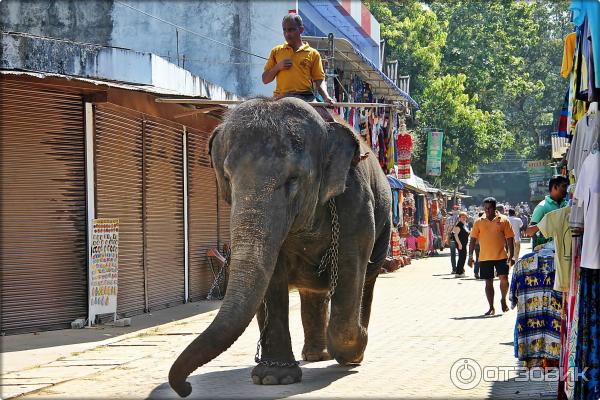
(486, 72)
(471, 135)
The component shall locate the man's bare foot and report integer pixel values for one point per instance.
(491, 311)
(504, 305)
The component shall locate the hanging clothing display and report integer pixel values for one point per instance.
(404, 147)
(537, 329)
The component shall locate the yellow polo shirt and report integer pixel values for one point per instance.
(491, 236)
(306, 68)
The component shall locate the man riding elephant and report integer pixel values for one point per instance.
(304, 199)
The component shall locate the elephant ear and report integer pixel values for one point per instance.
(341, 152)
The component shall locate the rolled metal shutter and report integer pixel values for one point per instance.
(118, 150)
(43, 262)
(164, 235)
(202, 213)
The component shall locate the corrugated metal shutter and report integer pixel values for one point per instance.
(164, 213)
(118, 151)
(43, 262)
(202, 214)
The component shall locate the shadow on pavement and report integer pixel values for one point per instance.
(476, 317)
(523, 389)
(99, 333)
(236, 383)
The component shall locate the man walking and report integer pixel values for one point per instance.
(516, 224)
(448, 228)
(491, 231)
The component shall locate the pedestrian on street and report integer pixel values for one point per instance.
(555, 200)
(461, 238)
(491, 232)
(450, 224)
(516, 224)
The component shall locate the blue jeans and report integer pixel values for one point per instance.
(453, 255)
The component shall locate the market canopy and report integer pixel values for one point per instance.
(394, 182)
(350, 59)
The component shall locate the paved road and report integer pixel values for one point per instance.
(423, 321)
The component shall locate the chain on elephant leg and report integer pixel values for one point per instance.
(271, 371)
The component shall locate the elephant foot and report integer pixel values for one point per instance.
(348, 351)
(313, 354)
(265, 375)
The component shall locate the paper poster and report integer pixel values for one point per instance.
(103, 267)
(434, 152)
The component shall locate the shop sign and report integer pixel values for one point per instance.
(103, 268)
(434, 152)
(540, 173)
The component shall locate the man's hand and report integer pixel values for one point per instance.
(284, 64)
(471, 262)
(460, 247)
(328, 99)
(511, 262)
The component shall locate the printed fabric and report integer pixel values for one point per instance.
(404, 146)
(537, 328)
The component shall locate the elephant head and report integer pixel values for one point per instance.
(276, 162)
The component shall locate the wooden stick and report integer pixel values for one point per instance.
(209, 102)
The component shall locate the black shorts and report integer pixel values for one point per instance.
(486, 268)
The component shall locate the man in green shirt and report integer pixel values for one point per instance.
(558, 192)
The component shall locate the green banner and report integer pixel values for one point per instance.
(539, 174)
(434, 152)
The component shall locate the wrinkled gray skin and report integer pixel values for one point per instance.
(277, 164)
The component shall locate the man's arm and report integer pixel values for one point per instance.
(511, 249)
(322, 89)
(472, 243)
(271, 73)
(531, 230)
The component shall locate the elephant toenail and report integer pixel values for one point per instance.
(287, 380)
(269, 380)
(256, 380)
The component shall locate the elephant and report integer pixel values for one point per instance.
(292, 179)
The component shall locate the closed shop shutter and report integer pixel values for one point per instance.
(202, 213)
(43, 262)
(164, 213)
(118, 151)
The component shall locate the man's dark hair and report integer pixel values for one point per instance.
(295, 18)
(490, 200)
(480, 214)
(511, 212)
(557, 180)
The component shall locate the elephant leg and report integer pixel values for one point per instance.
(277, 365)
(315, 315)
(346, 336)
(367, 298)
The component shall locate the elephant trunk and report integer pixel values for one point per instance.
(251, 267)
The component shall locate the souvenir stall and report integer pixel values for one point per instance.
(557, 288)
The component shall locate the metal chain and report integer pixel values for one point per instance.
(330, 258)
(219, 280)
(258, 355)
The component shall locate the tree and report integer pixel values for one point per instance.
(471, 135)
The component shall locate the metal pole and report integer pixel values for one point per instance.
(177, 44)
(186, 233)
(330, 65)
(90, 182)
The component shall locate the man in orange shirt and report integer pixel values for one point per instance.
(295, 64)
(492, 231)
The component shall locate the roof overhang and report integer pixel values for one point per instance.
(350, 59)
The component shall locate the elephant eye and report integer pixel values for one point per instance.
(291, 184)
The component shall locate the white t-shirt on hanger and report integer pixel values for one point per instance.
(587, 193)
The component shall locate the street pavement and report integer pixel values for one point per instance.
(424, 320)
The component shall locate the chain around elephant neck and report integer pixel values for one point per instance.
(258, 356)
(330, 258)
